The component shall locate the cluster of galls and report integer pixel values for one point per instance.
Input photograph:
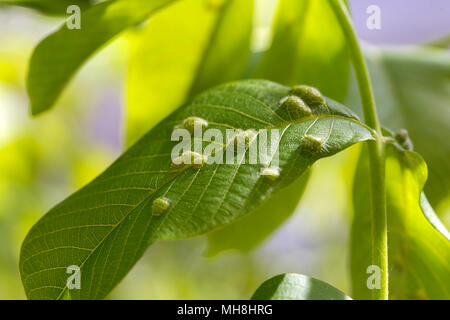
(300, 102)
(188, 158)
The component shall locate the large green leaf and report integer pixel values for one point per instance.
(293, 286)
(51, 7)
(308, 47)
(174, 57)
(56, 58)
(412, 88)
(419, 245)
(250, 231)
(105, 227)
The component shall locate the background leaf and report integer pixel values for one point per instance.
(419, 254)
(198, 53)
(50, 7)
(250, 231)
(307, 40)
(292, 286)
(412, 88)
(56, 58)
(105, 227)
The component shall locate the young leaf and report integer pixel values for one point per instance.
(250, 231)
(419, 245)
(412, 89)
(293, 286)
(57, 58)
(307, 40)
(105, 227)
(198, 56)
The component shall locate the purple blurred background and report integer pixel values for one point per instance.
(403, 21)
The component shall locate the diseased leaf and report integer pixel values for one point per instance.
(57, 58)
(419, 245)
(105, 227)
(307, 40)
(293, 286)
(250, 231)
(50, 7)
(412, 89)
(204, 51)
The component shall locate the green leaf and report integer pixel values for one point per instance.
(412, 89)
(249, 232)
(57, 58)
(105, 227)
(197, 57)
(50, 7)
(293, 286)
(419, 245)
(308, 40)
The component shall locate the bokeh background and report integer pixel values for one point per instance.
(44, 159)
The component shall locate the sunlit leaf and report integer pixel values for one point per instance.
(419, 245)
(57, 58)
(412, 88)
(292, 286)
(105, 227)
(205, 43)
(308, 47)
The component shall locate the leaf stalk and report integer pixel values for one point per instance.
(376, 151)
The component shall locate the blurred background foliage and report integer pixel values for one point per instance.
(137, 80)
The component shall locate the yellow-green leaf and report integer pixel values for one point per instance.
(418, 244)
(57, 58)
(190, 47)
(308, 47)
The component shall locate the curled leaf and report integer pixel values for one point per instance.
(105, 227)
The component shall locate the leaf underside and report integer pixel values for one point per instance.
(105, 227)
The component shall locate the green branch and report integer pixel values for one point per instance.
(376, 151)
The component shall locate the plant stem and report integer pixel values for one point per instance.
(376, 151)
